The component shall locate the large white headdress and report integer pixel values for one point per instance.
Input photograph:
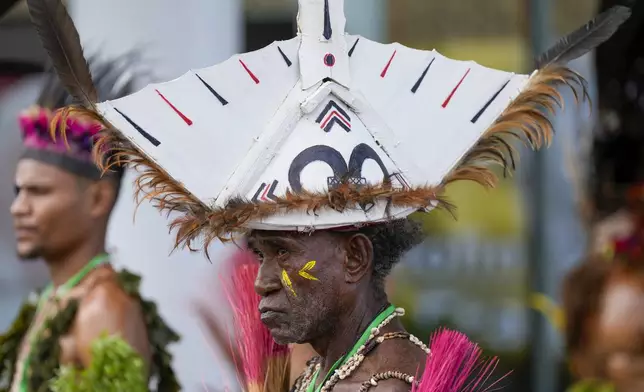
(328, 130)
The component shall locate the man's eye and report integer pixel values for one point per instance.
(36, 190)
(282, 253)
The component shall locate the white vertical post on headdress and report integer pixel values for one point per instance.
(171, 37)
(323, 52)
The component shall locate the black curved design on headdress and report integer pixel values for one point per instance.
(351, 171)
(319, 153)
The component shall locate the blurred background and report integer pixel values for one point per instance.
(477, 274)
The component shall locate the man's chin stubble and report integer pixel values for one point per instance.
(29, 256)
(290, 338)
(282, 339)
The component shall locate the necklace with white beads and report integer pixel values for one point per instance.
(353, 362)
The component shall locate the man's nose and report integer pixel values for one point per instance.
(268, 279)
(19, 206)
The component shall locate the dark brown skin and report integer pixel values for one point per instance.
(63, 220)
(104, 309)
(332, 312)
(300, 355)
(614, 344)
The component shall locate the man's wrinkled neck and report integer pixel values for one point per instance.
(346, 332)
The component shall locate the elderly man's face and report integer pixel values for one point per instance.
(301, 281)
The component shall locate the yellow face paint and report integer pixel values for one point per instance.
(287, 282)
(304, 271)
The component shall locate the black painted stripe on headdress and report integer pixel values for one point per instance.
(221, 99)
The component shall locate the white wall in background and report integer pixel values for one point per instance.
(177, 36)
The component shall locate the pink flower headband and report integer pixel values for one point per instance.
(35, 124)
(72, 153)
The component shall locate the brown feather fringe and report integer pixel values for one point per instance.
(526, 119)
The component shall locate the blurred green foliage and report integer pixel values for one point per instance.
(115, 367)
(495, 213)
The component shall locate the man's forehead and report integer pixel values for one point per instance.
(30, 171)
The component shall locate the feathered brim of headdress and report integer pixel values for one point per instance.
(525, 120)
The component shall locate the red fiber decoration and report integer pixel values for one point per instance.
(254, 342)
(455, 365)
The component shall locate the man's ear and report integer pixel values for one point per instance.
(102, 198)
(359, 257)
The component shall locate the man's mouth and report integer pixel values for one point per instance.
(24, 232)
(270, 317)
(269, 314)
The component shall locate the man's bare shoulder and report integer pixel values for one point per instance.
(106, 309)
(106, 297)
(397, 355)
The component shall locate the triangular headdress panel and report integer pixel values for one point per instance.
(329, 130)
(439, 107)
(201, 126)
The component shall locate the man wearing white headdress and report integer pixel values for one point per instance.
(317, 150)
